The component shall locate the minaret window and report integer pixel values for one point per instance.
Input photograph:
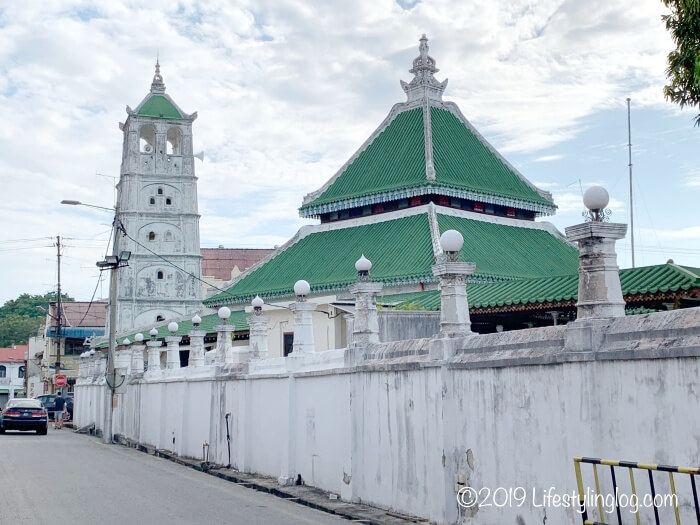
(151, 236)
(147, 139)
(174, 141)
(168, 236)
(151, 200)
(160, 191)
(168, 201)
(159, 318)
(159, 275)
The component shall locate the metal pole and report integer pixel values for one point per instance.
(629, 150)
(58, 314)
(111, 375)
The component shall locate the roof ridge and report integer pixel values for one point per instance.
(454, 109)
(396, 110)
(683, 269)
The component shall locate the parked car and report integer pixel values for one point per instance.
(48, 401)
(70, 398)
(24, 414)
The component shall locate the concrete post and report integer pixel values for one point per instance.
(365, 328)
(173, 352)
(599, 290)
(454, 307)
(153, 357)
(224, 348)
(137, 358)
(196, 348)
(303, 327)
(258, 336)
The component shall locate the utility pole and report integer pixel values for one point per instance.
(59, 309)
(629, 151)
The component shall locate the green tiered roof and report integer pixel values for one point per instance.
(401, 252)
(208, 324)
(425, 147)
(158, 106)
(637, 283)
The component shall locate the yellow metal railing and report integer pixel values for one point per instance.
(631, 466)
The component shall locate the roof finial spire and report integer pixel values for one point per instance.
(424, 85)
(157, 86)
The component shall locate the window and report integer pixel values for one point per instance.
(159, 318)
(288, 343)
(173, 138)
(21, 372)
(151, 236)
(147, 139)
(151, 201)
(169, 236)
(160, 191)
(478, 206)
(159, 275)
(3, 371)
(168, 201)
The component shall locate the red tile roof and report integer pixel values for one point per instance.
(14, 354)
(76, 313)
(219, 262)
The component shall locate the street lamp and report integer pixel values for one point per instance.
(113, 263)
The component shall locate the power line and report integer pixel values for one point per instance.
(169, 262)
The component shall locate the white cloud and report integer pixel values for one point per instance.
(285, 91)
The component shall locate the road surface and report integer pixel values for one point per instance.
(65, 478)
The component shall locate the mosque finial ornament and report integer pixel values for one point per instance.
(424, 85)
(157, 86)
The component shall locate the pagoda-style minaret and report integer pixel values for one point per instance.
(426, 151)
(157, 202)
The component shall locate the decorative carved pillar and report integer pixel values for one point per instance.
(153, 354)
(258, 331)
(599, 290)
(454, 307)
(303, 323)
(137, 355)
(173, 347)
(365, 326)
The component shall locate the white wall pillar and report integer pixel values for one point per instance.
(137, 358)
(196, 348)
(153, 357)
(258, 335)
(454, 307)
(365, 327)
(173, 352)
(224, 348)
(303, 327)
(599, 290)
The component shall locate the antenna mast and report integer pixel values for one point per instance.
(629, 150)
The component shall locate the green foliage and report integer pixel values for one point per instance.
(17, 329)
(20, 318)
(409, 305)
(683, 70)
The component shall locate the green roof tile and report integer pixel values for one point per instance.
(394, 160)
(159, 106)
(238, 318)
(393, 166)
(463, 161)
(634, 281)
(510, 252)
(400, 250)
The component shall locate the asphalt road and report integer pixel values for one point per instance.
(65, 478)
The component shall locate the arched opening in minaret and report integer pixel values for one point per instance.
(151, 236)
(159, 275)
(147, 139)
(159, 318)
(174, 142)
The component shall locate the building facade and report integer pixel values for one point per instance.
(12, 372)
(157, 209)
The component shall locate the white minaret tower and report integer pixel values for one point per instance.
(157, 205)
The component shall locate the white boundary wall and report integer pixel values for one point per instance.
(396, 429)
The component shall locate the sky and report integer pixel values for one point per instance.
(287, 90)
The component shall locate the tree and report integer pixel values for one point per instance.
(20, 318)
(683, 70)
